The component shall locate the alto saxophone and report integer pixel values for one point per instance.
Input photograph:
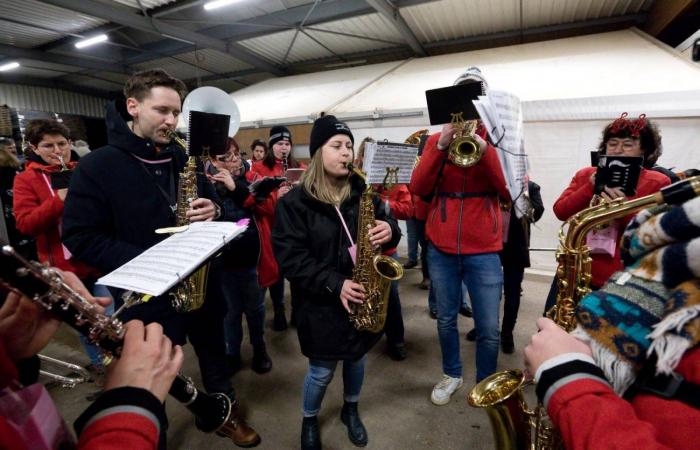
(190, 293)
(213, 412)
(515, 426)
(372, 270)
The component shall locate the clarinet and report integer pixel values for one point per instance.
(45, 286)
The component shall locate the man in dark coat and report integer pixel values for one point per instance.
(123, 192)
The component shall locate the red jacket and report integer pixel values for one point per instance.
(461, 225)
(578, 196)
(400, 205)
(590, 415)
(420, 208)
(264, 212)
(38, 210)
(132, 429)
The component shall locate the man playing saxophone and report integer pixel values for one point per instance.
(123, 192)
(628, 376)
(464, 230)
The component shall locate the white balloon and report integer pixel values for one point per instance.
(209, 99)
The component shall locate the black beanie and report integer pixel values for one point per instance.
(325, 128)
(277, 133)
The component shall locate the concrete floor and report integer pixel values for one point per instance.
(395, 404)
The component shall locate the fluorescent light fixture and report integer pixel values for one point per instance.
(91, 41)
(9, 66)
(214, 4)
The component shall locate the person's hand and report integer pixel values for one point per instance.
(592, 180)
(148, 360)
(351, 293)
(224, 176)
(549, 342)
(62, 193)
(26, 327)
(380, 234)
(201, 209)
(482, 143)
(447, 135)
(282, 191)
(609, 194)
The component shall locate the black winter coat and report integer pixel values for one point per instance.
(516, 252)
(119, 195)
(311, 247)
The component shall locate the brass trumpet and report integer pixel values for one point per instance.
(464, 150)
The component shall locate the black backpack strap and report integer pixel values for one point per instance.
(672, 386)
(459, 195)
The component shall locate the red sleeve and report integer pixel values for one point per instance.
(33, 216)
(400, 202)
(426, 173)
(589, 415)
(120, 431)
(577, 196)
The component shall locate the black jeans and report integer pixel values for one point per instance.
(422, 241)
(394, 320)
(512, 282)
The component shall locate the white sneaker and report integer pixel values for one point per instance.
(442, 392)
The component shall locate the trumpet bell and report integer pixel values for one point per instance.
(464, 151)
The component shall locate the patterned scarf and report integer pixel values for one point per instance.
(653, 306)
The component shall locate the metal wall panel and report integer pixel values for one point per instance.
(51, 100)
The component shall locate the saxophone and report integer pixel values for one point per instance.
(515, 426)
(189, 295)
(372, 270)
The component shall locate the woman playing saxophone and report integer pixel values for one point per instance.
(314, 236)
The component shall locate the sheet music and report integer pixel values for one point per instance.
(502, 115)
(382, 155)
(170, 261)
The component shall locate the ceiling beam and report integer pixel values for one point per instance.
(326, 11)
(663, 13)
(148, 24)
(49, 83)
(391, 13)
(37, 55)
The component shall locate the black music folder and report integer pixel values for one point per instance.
(208, 133)
(618, 171)
(61, 180)
(443, 102)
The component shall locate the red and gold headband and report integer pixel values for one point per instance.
(633, 126)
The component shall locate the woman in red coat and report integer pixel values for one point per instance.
(278, 159)
(38, 199)
(622, 137)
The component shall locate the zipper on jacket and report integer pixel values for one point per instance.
(459, 221)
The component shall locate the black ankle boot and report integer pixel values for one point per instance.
(261, 360)
(310, 434)
(279, 323)
(356, 430)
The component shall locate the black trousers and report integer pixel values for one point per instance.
(512, 282)
(423, 243)
(393, 327)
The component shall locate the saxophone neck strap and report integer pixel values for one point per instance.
(170, 197)
(345, 226)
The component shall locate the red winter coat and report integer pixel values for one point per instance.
(264, 212)
(38, 210)
(461, 225)
(590, 415)
(578, 196)
(116, 429)
(400, 204)
(420, 208)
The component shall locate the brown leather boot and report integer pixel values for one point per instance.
(238, 430)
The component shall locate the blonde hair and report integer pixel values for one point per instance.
(316, 183)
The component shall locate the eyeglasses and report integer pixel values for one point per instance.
(226, 157)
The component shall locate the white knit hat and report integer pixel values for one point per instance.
(472, 74)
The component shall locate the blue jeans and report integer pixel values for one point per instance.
(319, 377)
(483, 276)
(241, 293)
(92, 350)
(276, 294)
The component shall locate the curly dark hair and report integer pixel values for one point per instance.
(649, 140)
(37, 129)
(258, 142)
(141, 83)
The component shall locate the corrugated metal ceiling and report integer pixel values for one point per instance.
(200, 63)
(148, 4)
(45, 16)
